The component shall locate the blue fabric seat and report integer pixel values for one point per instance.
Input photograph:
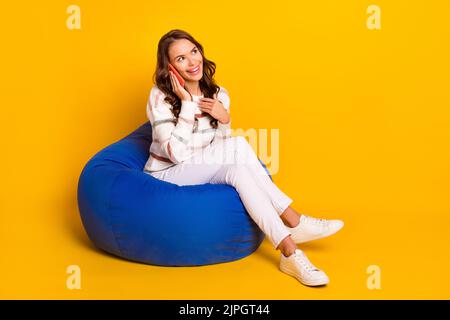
(131, 214)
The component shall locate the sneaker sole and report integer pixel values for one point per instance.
(315, 283)
(318, 237)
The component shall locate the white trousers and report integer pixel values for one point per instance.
(232, 161)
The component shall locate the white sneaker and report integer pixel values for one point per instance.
(311, 228)
(298, 266)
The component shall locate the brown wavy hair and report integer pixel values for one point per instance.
(161, 77)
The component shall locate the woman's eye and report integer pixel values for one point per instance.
(195, 50)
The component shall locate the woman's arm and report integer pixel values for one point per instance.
(172, 138)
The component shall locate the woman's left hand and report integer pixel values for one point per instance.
(215, 108)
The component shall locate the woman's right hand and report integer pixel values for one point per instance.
(181, 92)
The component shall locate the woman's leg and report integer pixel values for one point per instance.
(244, 153)
(208, 167)
(290, 217)
(235, 150)
(279, 199)
(255, 200)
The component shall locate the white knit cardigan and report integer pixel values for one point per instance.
(175, 141)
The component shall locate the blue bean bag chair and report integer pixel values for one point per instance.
(133, 215)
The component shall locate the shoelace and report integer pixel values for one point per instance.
(322, 222)
(309, 267)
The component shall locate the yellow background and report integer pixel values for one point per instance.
(364, 136)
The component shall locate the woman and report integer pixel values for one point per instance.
(192, 145)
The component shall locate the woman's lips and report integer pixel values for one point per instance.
(191, 71)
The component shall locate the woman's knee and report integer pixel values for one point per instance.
(237, 142)
(236, 172)
(244, 151)
(241, 142)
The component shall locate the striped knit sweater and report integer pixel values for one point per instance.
(176, 141)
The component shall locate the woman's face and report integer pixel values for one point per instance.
(186, 57)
